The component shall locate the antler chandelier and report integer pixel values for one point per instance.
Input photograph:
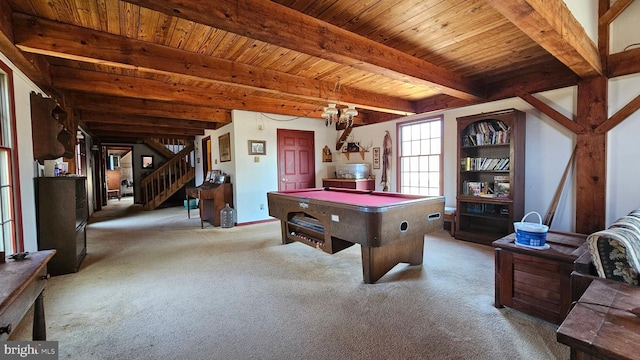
(340, 116)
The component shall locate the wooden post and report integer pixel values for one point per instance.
(591, 156)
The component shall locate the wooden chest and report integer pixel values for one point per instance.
(537, 281)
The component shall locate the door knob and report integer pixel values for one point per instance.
(284, 179)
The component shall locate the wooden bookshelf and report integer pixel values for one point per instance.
(491, 155)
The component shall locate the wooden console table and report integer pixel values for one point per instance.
(212, 198)
(537, 281)
(357, 184)
(21, 285)
(601, 325)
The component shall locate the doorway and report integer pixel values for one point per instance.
(296, 159)
(119, 171)
(206, 156)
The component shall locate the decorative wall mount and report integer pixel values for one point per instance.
(51, 139)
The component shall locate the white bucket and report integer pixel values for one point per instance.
(531, 234)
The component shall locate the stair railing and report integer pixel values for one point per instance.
(168, 178)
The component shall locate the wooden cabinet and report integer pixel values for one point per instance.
(213, 201)
(357, 184)
(61, 220)
(490, 184)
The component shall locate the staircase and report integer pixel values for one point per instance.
(171, 176)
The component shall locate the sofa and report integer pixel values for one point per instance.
(614, 253)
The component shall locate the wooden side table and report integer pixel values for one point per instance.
(600, 325)
(537, 281)
(21, 286)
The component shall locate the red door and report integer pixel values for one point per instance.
(296, 160)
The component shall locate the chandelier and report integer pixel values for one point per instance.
(339, 116)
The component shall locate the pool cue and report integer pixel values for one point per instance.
(556, 197)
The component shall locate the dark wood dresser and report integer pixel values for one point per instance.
(61, 211)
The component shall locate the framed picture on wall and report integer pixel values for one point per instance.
(147, 162)
(376, 158)
(257, 147)
(224, 143)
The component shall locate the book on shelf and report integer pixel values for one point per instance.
(475, 188)
(501, 185)
(465, 164)
(488, 132)
(483, 164)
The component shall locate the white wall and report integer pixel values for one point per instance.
(624, 30)
(252, 180)
(27, 166)
(623, 150)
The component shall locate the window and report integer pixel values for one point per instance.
(9, 242)
(420, 153)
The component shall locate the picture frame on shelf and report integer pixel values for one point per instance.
(224, 145)
(257, 147)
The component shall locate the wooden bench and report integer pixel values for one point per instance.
(114, 193)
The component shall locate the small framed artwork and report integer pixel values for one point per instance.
(257, 147)
(224, 143)
(376, 158)
(147, 162)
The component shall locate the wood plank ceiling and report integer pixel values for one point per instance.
(138, 68)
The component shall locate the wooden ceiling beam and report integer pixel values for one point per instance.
(279, 25)
(129, 86)
(614, 11)
(99, 117)
(530, 83)
(619, 116)
(125, 91)
(145, 107)
(624, 63)
(130, 137)
(142, 129)
(52, 38)
(35, 67)
(440, 102)
(552, 26)
(551, 112)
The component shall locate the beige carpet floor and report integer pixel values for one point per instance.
(156, 286)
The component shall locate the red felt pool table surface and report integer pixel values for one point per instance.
(353, 197)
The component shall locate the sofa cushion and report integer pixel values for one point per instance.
(616, 252)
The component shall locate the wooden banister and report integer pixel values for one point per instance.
(168, 178)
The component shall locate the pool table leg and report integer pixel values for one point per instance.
(377, 261)
(285, 238)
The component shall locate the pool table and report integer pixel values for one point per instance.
(389, 227)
